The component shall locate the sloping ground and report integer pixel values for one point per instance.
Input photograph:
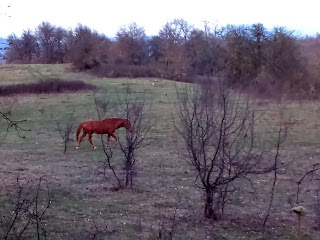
(164, 181)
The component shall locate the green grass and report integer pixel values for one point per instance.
(80, 192)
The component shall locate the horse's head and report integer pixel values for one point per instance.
(127, 125)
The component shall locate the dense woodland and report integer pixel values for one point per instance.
(269, 61)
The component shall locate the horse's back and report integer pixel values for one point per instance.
(112, 121)
(88, 125)
(98, 127)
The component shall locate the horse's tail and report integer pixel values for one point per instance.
(78, 131)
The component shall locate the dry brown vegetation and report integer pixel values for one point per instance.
(272, 62)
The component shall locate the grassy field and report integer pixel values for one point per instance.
(80, 193)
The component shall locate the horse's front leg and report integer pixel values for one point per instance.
(107, 145)
(110, 134)
(114, 136)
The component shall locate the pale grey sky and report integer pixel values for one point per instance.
(107, 16)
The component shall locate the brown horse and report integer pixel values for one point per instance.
(106, 126)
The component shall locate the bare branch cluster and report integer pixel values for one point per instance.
(14, 123)
(65, 131)
(134, 108)
(29, 209)
(93, 230)
(218, 129)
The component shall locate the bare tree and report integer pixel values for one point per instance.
(65, 132)
(24, 49)
(177, 31)
(107, 165)
(136, 112)
(52, 41)
(135, 109)
(132, 45)
(45, 35)
(174, 38)
(218, 129)
(168, 232)
(102, 108)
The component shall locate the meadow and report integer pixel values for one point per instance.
(164, 196)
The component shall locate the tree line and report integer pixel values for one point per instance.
(247, 56)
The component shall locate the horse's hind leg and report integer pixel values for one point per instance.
(81, 138)
(90, 140)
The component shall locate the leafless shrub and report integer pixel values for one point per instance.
(27, 212)
(95, 234)
(107, 164)
(92, 229)
(134, 108)
(218, 129)
(102, 107)
(136, 111)
(65, 131)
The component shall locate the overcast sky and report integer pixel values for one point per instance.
(107, 16)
